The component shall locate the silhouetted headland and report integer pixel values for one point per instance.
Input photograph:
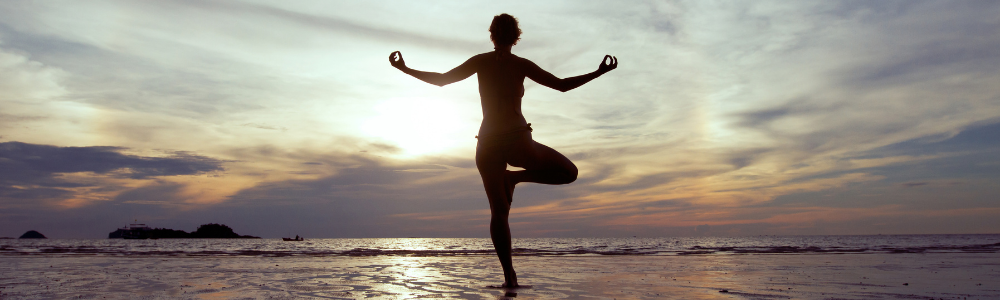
(31, 234)
(206, 231)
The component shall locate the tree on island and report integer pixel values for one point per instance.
(218, 231)
(206, 231)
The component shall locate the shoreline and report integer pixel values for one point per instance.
(746, 276)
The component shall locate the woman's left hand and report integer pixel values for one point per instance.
(611, 65)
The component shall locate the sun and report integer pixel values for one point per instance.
(420, 126)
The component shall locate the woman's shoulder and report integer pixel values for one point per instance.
(479, 58)
(523, 60)
(482, 55)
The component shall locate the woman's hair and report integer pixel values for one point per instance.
(504, 30)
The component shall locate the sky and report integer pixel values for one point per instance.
(727, 118)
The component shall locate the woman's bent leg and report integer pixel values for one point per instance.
(542, 164)
(492, 166)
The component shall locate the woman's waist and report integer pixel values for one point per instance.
(496, 127)
(508, 134)
(501, 97)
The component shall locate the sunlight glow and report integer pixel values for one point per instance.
(419, 126)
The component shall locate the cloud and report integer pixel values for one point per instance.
(755, 117)
(25, 80)
(344, 25)
(30, 161)
(33, 172)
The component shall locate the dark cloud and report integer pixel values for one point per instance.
(745, 157)
(933, 61)
(975, 138)
(811, 107)
(18, 197)
(973, 153)
(30, 171)
(30, 162)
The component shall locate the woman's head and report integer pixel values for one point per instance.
(504, 30)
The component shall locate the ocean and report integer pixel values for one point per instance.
(754, 267)
(857, 244)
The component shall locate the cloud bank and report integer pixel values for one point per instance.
(823, 117)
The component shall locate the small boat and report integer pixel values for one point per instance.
(296, 239)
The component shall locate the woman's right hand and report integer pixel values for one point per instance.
(612, 64)
(399, 64)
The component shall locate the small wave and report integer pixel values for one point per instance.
(983, 248)
(528, 247)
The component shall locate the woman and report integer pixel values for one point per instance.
(505, 136)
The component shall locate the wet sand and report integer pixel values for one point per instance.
(775, 276)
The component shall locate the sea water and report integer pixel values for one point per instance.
(978, 243)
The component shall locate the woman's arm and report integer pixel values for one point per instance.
(565, 84)
(460, 72)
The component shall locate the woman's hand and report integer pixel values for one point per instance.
(604, 68)
(399, 64)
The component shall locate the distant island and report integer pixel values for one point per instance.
(206, 231)
(31, 234)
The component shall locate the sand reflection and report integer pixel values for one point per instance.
(861, 276)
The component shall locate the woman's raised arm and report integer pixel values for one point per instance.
(545, 78)
(460, 72)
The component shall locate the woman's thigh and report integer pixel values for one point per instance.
(533, 155)
(491, 165)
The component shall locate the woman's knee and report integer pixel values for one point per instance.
(572, 173)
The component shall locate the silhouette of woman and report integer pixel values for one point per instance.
(504, 135)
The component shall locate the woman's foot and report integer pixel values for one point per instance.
(508, 286)
(509, 183)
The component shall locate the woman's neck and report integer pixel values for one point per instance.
(505, 49)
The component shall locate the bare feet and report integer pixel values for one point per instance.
(507, 286)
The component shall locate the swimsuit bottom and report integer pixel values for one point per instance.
(504, 140)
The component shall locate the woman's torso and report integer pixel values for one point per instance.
(501, 86)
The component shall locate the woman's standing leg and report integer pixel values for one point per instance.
(492, 166)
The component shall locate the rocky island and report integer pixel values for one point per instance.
(31, 234)
(206, 231)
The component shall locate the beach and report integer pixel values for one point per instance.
(749, 276)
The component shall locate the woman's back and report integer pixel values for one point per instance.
(501, 86)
